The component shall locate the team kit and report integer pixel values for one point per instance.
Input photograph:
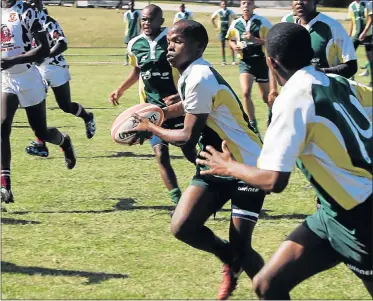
(319, 120)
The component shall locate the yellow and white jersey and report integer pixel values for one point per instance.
(330, 41)
(319, 123)
(204, 91)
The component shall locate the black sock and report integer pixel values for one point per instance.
(79, 111)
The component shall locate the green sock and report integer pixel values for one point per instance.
(175, 195)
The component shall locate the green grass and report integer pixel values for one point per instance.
(101, 231)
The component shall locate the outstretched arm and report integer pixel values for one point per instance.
(132, 78)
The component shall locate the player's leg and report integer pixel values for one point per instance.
(247, 203)
(37, 118)
(9, 106)
(369, 52)
(233, 55)
(222, 45)
(196, 205)
(246, 81)
(301, 256)
(63, 97)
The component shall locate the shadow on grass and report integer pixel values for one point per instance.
(28, 127)
(264, 215)
(124, 204)
(12, 221)
(93, 278)
(103, 108)
(132, 155)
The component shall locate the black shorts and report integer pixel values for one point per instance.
(367, 42)
(246, 201)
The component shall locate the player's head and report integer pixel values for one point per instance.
(289, 49)
(223, 4)
(38, 4)
(151, 19)
(182, 7)
(247, 8)
(302, 8)
(8, 3)
(187, 40)
(131, 5)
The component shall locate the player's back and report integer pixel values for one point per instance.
(336, 151)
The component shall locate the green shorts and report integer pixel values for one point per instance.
(350, 236)
(257, 67)
(246, 201)
(222, 35)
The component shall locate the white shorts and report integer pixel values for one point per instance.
(28, 86)
(54, 75)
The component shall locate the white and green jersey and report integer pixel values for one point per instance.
(157, 78)
(224, 17)
(204, 91)
(319, 123)
(131, 22)
(186, 15)
(359, 12)
(258, 27)
(330, 41)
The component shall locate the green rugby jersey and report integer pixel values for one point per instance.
(157, 78)
(132, 24)
(330, 41)
(258, 26)
(358, 13)
(225, 18)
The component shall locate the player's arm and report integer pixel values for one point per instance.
(284, 141)
(367, 27)
(132, 78)
(174, 110)
(213, 18)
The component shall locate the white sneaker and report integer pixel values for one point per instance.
(223, 63)
(364, 73)
(234, 63)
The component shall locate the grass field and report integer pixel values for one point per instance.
(101, 231)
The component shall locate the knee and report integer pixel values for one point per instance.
(247, 95)
(180, 230)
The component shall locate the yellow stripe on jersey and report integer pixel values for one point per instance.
(142, 94)
(226, 98)
(132, 60)
(175, 76)
(334, 54)
(365, 97)
(327, 141)
(330, 184)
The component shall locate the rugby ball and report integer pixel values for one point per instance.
(125, 122)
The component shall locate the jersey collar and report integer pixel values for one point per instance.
(199, 61)
(164, 32)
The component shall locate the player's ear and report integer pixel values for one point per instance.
(162, 21)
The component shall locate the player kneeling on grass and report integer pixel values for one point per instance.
(213, 112)
(22, 84)
(319, 124)
(55, 72)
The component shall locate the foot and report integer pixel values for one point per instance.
(6, 195)
(125, 64)
(90, 126)
(70, 159)
(364, 73)
(223, 63)
(37, 149)
(234, 63)
(229, 282)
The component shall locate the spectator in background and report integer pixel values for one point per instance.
(183, 14)
(225, 17)
(131, 19)
(360, 14)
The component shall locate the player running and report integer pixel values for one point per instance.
(55, 72)
(224, 17)
(183, 14)
(319, 124)
(158, 82)
(22, 84)
(333, 48)
(131, 19)
(360, 14)
(212, 113)
(247, 37)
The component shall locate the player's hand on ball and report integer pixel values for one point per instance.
(143, 123)
(114, 97)
(217, 162)
(172, 99)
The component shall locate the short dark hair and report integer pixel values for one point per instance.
(155, 9)
(290, 44)
(193, 30)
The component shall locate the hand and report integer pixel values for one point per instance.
(7, 62)
(142, 136)
(271, 97)
(362, 36)
(114, 96)
(172, 99)
(217, 162)
(143, 123)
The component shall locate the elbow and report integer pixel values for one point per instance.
(352, 68)
(277, 183)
